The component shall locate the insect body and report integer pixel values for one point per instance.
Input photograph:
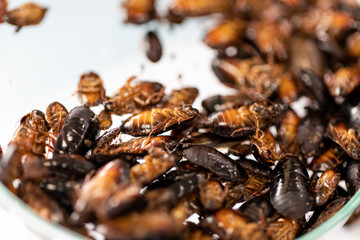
(91, 91)
(325, 186)
(139, 11)
(56, 114)
(153, 47)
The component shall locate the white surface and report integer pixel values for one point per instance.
(42, 64)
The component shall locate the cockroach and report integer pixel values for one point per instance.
(91, 91)
(230, 225)
(79, 132)
(288, 131)
(345, 137)
(290, 192)
(139, 11)
(156, 163)
(25, 15)
(158, 120)
(283, 228)
(3, 9)
(56, 114)
(227, 33)
(242, 148)
(264, 147)
(331, 158)
(215, 161)
(255, 185)
(219, 103)
(134, 97)
(343, 81)
(352, 176)
(33, 133)
(255, 167)
(41, 203)
(105, 120)
(183, 96)
(353, 45)
(288, 90)
(257, 209)
(153, 48)
(212, 194)
(243, 121)
(105, 140)
(325, 186)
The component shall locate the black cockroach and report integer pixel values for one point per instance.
(352, 176)
(153, 46)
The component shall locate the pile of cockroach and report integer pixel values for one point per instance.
(252, 165)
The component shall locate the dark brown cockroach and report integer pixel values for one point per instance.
(156, 163)
(352, 176)
(40, 202)
(215, 161)
(343, 81)
(283, 228)
(311, 135)
(219, 103)
(265, 148)
(79, 132)
(242, 148)
(257, 209)
(140, 145)
(183, 96)
(346, 138)
(107, 139)
(139, 11)
(158, 120)
(290, 192)
(180, 9)
(255, 167)
(245, 120)
(25, 15)
(153, 48)
(91, 91)
(56, 114)
(135, 96)
(105, 120)
(270, 37)
(212, 194)
(325, 186)
(230, 225)
(353, 45)
(3, 9)
(33, 133)
(287, 132)
(227, 33)
(333, 207)
(288, 90)
(331, 158)
(251, 74)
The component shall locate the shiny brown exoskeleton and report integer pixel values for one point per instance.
(105, 120)
(288, 90)
(91, 91)
(33, 133)
(219, 103)
(79, 132)
(290, 192)
(56, 114)
(135, 96)
(215, 161)
(331, 158)
(287, 132)
(265, 147)
(153, 48)
(343, 81)
(325, 186)
(139, 11)
(255, 185)
(227, 33)
(352, 176)
(25, 15)
(283, 228)
(353, 45)
(183, 96)
(243, 121)
(255, 167)
(158, 120)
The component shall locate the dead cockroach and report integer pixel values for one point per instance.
(153, 46)
(290, 192)
(257, 209)
(134, 97)
(255, 185)
(352, 176)
(353, 45)
(25, 15)
(3, 9)
(288, 90)
(56, 114)
(139, 11)
(265, 148)
(283, 228)
(91, 91)
(79, 132)
(288, 131)
(183, 96)
(331, 158)
(227, 33)
(343, 81)
(255, 167)
(242, 148)
(212, 194)
(325, 186)
(215, 161)
(105, 140)
(158, 120)
(105, 120)
(220, 103)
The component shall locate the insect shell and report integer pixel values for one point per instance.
(331, 158)
(56, 114)
(183, 96)
(212, 194)
(79, 132)
(105, 120)
(352, 176)
(139, 11)
(265, 147)
(343, 81)
(325, 186)
(283, 228)
(3, 9)
(158, 120)
(91, 91)
(287, 132)
(258, 209)
(153, 46)
(290, 191)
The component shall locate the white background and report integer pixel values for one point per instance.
(42, 64)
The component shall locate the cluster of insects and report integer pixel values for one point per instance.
(267, 162)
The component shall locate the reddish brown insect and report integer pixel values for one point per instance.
(225, 34)
(25, 15)
(153, 46)
(255, 185)
(283, 228)
(331, 158)
(325, 186)
(212, 194)
(135, 96)
(139, 11)
(288, 90)
(158, 120)
(265, 147)
(105, 120)
(353, 45)
(91, 91)
(56, 114)
(183, 96)
(3, 9)
(287, 132)
(242, 148)
(343, 81)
